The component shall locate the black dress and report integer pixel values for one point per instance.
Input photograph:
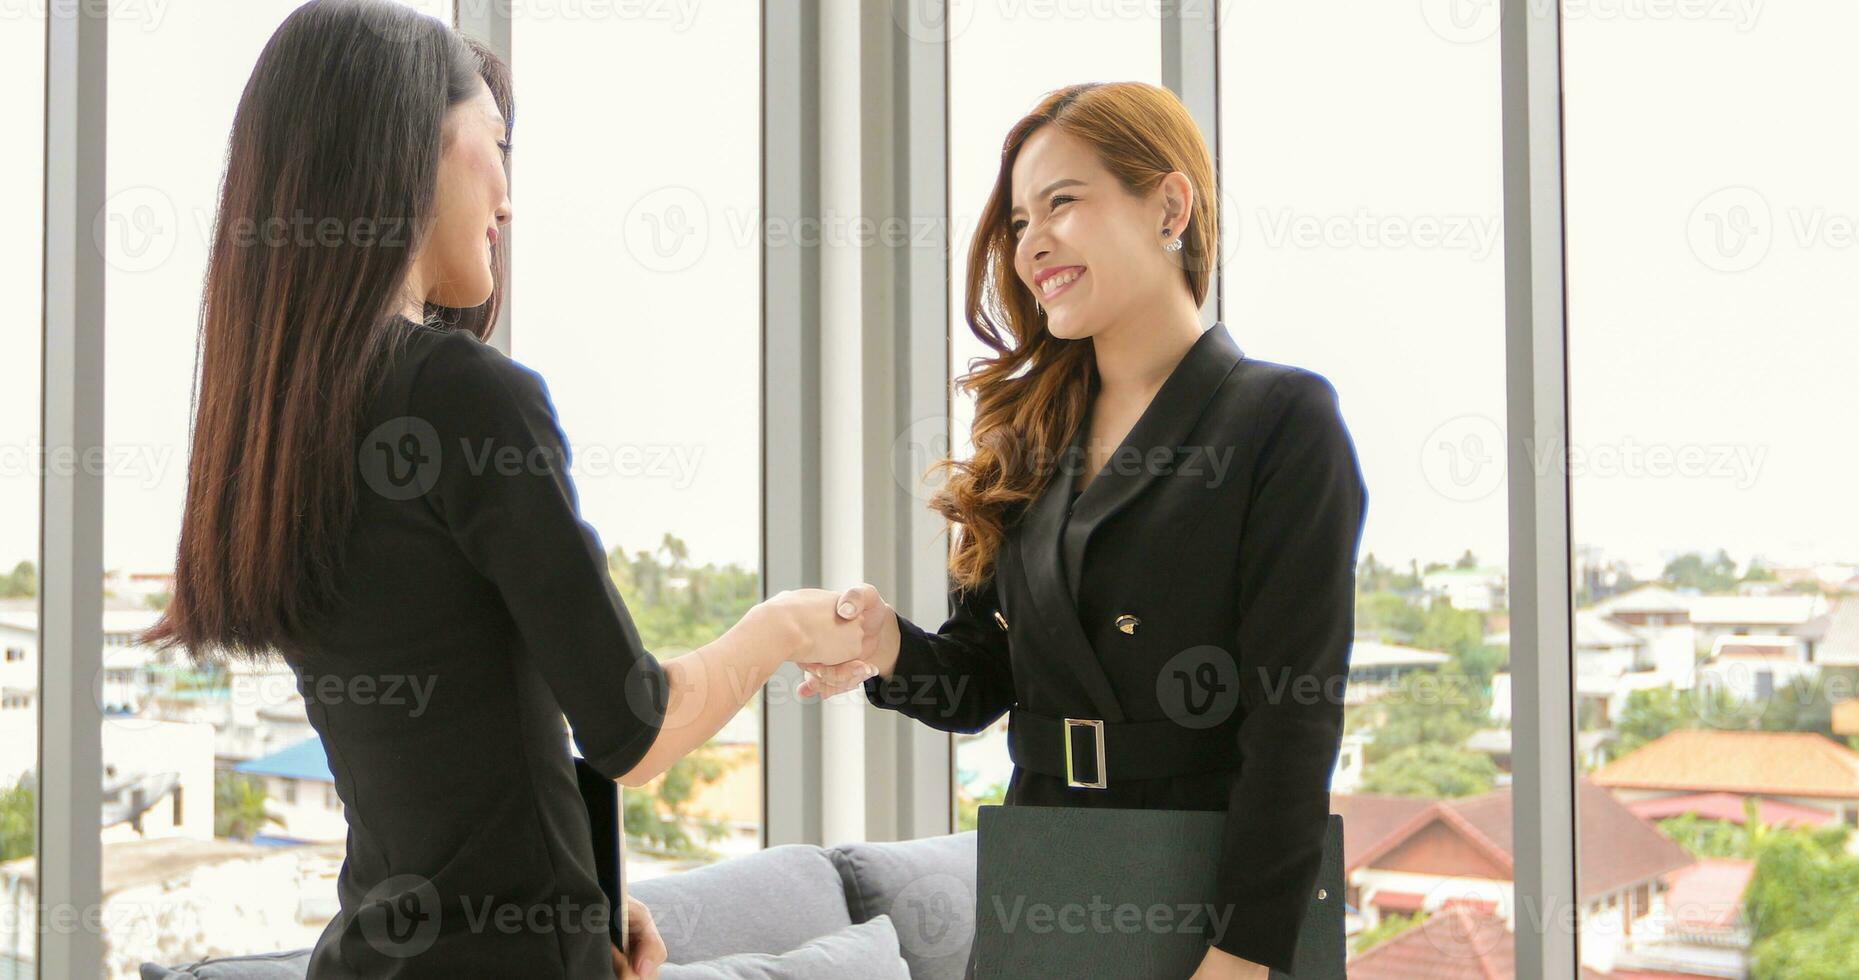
(475, 611)
(1198, 600)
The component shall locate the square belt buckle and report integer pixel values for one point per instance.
(1097, 731)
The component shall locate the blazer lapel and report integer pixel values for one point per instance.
(1051, 552)
(1058, 638)
(1168, 420)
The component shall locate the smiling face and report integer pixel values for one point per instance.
(1088, 249)
(471, 207)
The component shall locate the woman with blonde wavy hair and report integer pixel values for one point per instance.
(1156, 535)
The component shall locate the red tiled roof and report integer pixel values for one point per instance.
(1846, 717)
(1708, 896)
(1618, 849)
(1455, 943)
(1482, 905)
(1772, 763)
(1395, 901)
(1729, 806)
(1452, 944)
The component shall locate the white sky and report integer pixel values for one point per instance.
(1346, 122)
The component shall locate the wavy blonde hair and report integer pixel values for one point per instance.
(1031, 395)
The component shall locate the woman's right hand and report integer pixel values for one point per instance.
(807, 626)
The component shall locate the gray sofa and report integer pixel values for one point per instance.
(867, 911)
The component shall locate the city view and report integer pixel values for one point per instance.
(1715, 566)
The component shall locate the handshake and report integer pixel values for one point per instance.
(839, 639)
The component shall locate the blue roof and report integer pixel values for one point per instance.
(305, 760)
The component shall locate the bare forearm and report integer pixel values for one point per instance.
(707, 687)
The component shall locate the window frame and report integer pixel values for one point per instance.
(909, 769)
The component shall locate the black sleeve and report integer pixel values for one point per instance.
(957, 679)
(1297, 616)
(504, 490)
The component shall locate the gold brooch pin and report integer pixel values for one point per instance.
(1000, 620)
(1128, 623)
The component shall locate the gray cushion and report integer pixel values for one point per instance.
(867, 951)
(266, 966)
(927, 887)
(771, 901)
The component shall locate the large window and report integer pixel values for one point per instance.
(1002, 59)
(637, 296)
(1710, 228)
(1711, 240)
(22, 73)
(1360, 158)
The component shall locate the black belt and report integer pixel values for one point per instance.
(1085, 752)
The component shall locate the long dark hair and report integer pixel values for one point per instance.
(342, 119)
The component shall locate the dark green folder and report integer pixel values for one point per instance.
(1088, 892)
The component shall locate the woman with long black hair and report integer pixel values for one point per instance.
(384, 499)
(1156, 559)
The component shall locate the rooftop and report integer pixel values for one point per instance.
(1770, 763)
(1620, 849)
(1459, 942)
(305, 760)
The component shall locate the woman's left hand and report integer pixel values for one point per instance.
(1219, 964)
(648, 947)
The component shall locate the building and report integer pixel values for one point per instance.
(1475, 589)
(1753, 667)
(1731, 808)
(1801, 769)
(300, 792)
(1405, 855)
(157, 780)
(1663, 618)
(1461, 942)
(1350, 767)
(1746, 615)
(1833, 637)
(1706, 932)
(1375, 668)
(175, 900)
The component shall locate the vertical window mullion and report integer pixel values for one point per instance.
(71, 531)
(1191, 69)
(1542, 615)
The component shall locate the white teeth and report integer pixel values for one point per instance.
(1056, 282)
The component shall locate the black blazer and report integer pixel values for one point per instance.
(1202, 583)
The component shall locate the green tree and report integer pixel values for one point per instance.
(1391, 925)
(1373, 576)
(18, 807)
(1803, 906)
(1705, 838)
(1649, 714)
(1707, 575)
(968, 808)
(1461, 633)
(1805, 704)
(1432, 772)
(1423, 708)
(1653, 712)
(21, 583)
(239, 806)
(1388, 616)
(657, 818)
(678, 607)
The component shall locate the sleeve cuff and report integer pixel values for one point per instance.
(912, 649)
(645, 700)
